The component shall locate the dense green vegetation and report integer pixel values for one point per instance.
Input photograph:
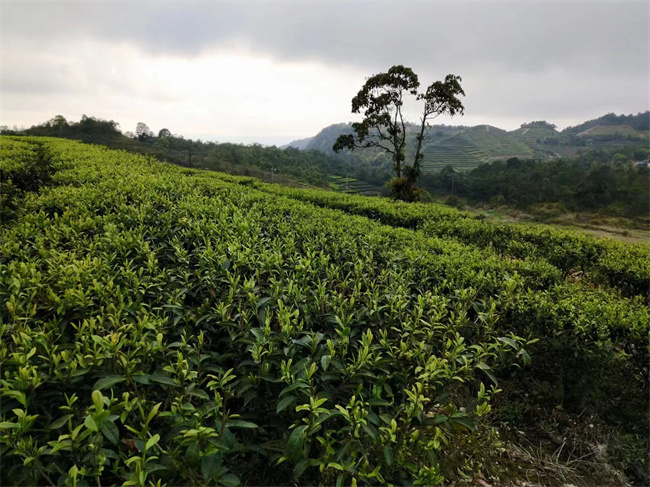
(312, 167)
(621, 265)
(169, 325)
(584, 184)
(601, 178)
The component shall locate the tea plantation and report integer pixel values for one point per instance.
(166, 326)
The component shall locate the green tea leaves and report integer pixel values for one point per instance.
(285, 402)
(108, 382)
(163, 325)
(296, 441)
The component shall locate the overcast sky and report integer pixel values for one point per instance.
(275, 71)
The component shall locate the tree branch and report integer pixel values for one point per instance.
(372, 143)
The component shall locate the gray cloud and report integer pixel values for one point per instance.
(514, 36)
(517, 58)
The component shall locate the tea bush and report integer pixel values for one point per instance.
(621, 265)
(24, 167)
(166, 326)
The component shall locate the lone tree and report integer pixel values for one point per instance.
(381, 99)
(142, 131)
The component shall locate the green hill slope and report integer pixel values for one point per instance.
(496, 143)
(622, 130)
(456, 151)
(639, 122)
(465, 148)
(532, 133)
(471, 147)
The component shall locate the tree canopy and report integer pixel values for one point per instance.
(381, 100)
(142, 131)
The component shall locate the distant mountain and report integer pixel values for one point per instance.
(465, 148)
(324, 140)
(459, 146)
(298, 144)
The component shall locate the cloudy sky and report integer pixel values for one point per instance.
(274, 71)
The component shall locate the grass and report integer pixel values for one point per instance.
(600, 226)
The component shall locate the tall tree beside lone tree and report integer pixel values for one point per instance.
(381, 99)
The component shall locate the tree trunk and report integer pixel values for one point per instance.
(416, 161)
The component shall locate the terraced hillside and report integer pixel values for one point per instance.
(354, 186)
(171, 326)
(530, 135)
(457, 151)
(623, 130)
(472, 147)
(496, 143)
(463, 148)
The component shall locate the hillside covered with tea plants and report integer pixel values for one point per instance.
(608, 179)
(172, 326)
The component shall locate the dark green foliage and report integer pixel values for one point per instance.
(162, 142)
(24, 168)
(403, 189)
(86, 127)
(309, 166)
(582, 184)
(539, 124)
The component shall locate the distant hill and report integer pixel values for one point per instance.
(639, 123)
(609, 130)
(298, 144)
(531, 133)
(461, 147)
(324, 140)
(465, 148)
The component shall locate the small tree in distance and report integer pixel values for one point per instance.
(381, 99)
(142, 131)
